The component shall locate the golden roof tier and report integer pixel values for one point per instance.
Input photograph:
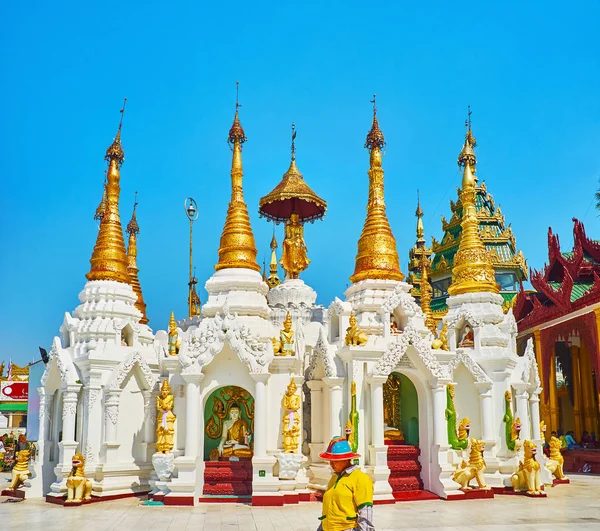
(237, 248)
(417, 253)
(292, 195)
(472, 271)
(133, 230)
(377, 257)
(109, 259)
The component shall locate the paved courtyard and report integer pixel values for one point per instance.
(575, 506)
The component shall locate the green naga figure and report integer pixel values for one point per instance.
(513, 427)
(456, 441)
(352, 424)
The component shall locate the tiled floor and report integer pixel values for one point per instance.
(567, 507)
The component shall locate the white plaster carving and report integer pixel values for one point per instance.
(397, 349)
(69, 408)
(111, 412)
(400, 298)
(289, 465)
(60, 357)
(455, 316)
(164, 464)
(126, 366)
(531, 367)
(472, 366)
(322, 352)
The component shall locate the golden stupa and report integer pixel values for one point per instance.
(472, 271)
(109, 259)
(133, 230)
(237, 248)
(377, 257)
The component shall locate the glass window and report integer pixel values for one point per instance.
(440, 287)
(507, 281)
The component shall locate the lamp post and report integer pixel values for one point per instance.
(191, 211)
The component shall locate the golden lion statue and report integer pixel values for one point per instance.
(463, 429)
(556, 461)
(475, 468)
(20, 471)
(527, 477)
(78, 487)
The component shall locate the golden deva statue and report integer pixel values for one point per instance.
(234, 442)
(527, 476)
(441, 341)
(354, 335)
(166, 425)
(20, 471)
(291, 418)
(473, 470)
(556, 461)
(284, 346)
(294, 259)
(174, 342)
(79, 488)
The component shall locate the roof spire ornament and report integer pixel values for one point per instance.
(109, 259)
(426, 295)
(102, 206)
(133, 230)
(472, 271)
(237, 248)
(377, 257)
(419, 214)
(273, 279)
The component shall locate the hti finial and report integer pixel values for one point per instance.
(293, 143)
(132, 226)
(237, 93)
(122, 111)
(236, 133)
(374, 102)
(375, 137)
(468, 120)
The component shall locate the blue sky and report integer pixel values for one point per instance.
(530, 72)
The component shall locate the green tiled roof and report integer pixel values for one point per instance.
(508, 296)
(438, 305)
(578, 291)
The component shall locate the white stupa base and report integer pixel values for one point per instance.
(292, 296)
(236, 291)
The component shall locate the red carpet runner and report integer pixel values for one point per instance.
(227, 481)
(405, 473)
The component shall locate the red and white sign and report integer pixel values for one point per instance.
(17, 391)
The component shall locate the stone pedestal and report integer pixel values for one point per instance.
(289, 465)
(164, 464)
(294, 296)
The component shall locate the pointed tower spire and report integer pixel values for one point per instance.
(419, 214)
(377, 257)
(426, 294)
(133, 230)
(273, 279)
(417, 253)
(102, 206)
(472, 271)
(109, 260)
(237, 248)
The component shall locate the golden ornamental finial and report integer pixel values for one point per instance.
(419, 214)
(115, 150)
(472, 270)
(293, 142)
(102, 206)
(375, 137)
(377, 256)
(237, 248)
(273, 279)
(109, 259)
(133, 230)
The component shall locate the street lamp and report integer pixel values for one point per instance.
(191, 211)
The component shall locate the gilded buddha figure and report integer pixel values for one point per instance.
(294, 259)
(166, 424)
(284, 346)
(391, 409)
(467, 340)
(234, 442)
(291, 418)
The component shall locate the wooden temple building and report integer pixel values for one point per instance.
(563, 317)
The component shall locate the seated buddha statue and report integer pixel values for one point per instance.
(467, 340)
(234, 442)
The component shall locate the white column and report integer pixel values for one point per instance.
(193, 412)
(335, 405)
(523, 410)
(260, 414)
(68, 413)
(111, 418)
(487, 411)
(316, 411)
(440, 433)
(534, 408)
(150, 407)
(377, 409)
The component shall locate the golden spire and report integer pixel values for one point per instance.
(133, 230)
(419, 214)
(377, 257)
(102, 206)
(237, 248)
(109, 260)
(472, 271)
(273, 279)
(426, 294)
(264, 271)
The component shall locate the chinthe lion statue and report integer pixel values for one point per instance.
(79, 488)
(527, 477)
(463, 429)
(473, 470)
(556, 461)
(20, 471)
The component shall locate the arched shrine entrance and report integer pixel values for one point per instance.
(228, 444)
(401, 435)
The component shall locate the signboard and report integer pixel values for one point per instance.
(13, 391)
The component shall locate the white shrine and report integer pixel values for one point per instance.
(229, 368)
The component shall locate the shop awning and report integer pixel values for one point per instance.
(17, 406)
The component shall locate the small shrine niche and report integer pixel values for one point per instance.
(398, 321)
(466, 336)
(127, 336)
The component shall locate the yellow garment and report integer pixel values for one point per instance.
(345, 495)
